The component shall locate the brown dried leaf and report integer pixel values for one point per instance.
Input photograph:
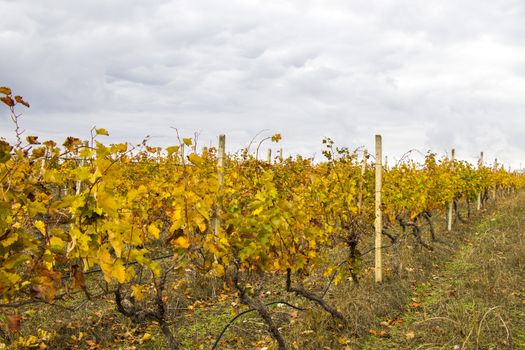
(8, 101)
(13, 323)
(20, 100)
(32, 140)
(79, 280)
(381, 334)
(5, 90)
(391, 322)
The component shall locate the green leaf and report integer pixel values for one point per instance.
(14, 261)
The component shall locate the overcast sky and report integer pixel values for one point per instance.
(424, 74)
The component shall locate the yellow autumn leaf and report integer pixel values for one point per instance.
(119, 271)
(201, 223)
(79, 245)
(82, 173)
(106, 263)
(119, 147)
(343, 340)
(56, 243)
(338, 278)
(218, 270)
(132, 194)
(195, 159)
(181, 242)
(12, 278)
(106, 202)
(136, 292)
(172, 149)
(102, 131)
(48, 259)
(112, 268)
(11, 238)
(177, 219)
(329, 271)
(154, 231)
(40, 226)
(116, 241)
(155, 267)
(86, 152)
(145, 337)
(258, 210)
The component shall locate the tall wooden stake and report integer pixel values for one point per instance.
(220, 179)
(480, 165)
(451, 204)
(81, 163)
(378, 218)
(269, 155)
(494, 187)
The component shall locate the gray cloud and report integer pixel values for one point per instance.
(427, 75)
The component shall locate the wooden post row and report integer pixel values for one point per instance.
(378, 218)
(451, 204)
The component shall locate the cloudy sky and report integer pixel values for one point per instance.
(431, 74)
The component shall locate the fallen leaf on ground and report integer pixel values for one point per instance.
(381, 334)
(410, 335)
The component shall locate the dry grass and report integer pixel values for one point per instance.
(478, 301)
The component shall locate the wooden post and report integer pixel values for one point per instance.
(480, 165)
(81, 163)
(281, 154)
(361, 183)
(220, 178)
(494, 187)
(182, 160)
(269, 156)
(378, 218)
(451, 204)
(220, 160)
(65, 183)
